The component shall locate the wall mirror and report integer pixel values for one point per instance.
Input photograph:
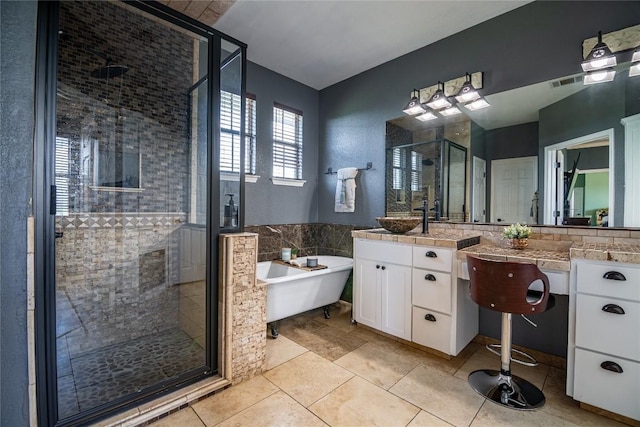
(591, 132)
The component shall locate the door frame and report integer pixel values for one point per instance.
(550, 179)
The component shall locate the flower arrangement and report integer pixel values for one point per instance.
(517, 231)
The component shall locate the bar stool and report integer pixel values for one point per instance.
(504, 287)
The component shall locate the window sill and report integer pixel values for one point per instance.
(230, 176)
(288, 182)
(116, 189)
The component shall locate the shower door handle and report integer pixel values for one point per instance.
(59, 234)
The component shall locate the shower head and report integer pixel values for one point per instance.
(428, 162)
(109, 71)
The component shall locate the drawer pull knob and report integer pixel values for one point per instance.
(378, 266)
(383, 267)
(614, 275)
(430, 317)
(611, 366)
(430, 277)
(613, 308)
(431, 254)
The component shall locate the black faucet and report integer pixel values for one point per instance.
(425, 215)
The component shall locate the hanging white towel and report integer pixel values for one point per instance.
(346, 190)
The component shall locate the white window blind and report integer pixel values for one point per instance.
(416, 171)
(287, 142)
(62, 176)
(230, 115)
(399, 160)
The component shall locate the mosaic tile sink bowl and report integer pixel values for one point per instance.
(399, 224)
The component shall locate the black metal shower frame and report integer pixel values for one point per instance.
(43, 196)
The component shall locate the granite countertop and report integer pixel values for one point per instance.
(547, 259)
(446, 240)
(617, 252)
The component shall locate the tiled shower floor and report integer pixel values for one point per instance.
(100, 376)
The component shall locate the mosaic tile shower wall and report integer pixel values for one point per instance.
(122, 159)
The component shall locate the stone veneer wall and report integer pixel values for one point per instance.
(246, 301)
(114, 278)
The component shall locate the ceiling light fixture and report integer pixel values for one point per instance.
(439, 99)
(414, 106)
(467, 92)
(600, 57)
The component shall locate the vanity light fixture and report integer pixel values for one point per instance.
(414, 106)
(478, 104)
(635, 63)
(467, 92)
(600, 57)
(439, 99)
(429, 115)
(451, 111)
(599, 76)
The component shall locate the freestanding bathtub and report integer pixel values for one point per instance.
(291, 290)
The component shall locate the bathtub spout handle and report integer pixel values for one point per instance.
(325, 310)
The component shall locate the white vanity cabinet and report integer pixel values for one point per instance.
(382, 286)
(416, 296)
(606, 341)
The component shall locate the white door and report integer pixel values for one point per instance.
(395, 284)
(479, 207)
(366, 293)
(513, 185)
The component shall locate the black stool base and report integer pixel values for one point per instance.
(506, 390)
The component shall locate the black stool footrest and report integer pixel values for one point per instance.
(531, 362)
(506, 390)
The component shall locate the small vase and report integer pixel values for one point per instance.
(518, 243)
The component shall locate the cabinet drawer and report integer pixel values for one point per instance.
(431, 289)
(393, 253)
(597, 329)
(435, 333)
(591, 280)
(615, 392)
(432, 258)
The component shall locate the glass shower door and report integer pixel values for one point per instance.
(131, 221)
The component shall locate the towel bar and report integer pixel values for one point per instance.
(330, 171)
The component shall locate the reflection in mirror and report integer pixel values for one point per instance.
(528, 122)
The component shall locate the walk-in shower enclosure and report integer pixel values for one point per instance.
(129, 202)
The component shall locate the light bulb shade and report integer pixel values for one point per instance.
(451, 111)
(636, 56)
(429, 115)
(413, 107)
(634, 70)
(600, 57)
(478, 104)
(438, 100)
(467, 93)
(599, 76)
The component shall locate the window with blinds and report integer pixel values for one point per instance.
(399, 162)
(416, 171)
(62, 176)
(230, 115)
(287, 142)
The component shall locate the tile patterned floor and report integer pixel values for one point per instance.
(100, 376)
(328, 372)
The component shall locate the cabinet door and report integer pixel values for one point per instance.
(395, 284)
(366, 293)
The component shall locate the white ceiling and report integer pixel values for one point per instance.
(322, 42)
